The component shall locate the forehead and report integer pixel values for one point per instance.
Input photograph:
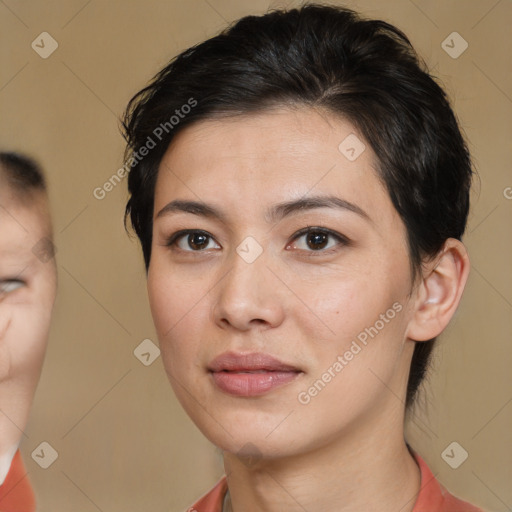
(23, 222)
(269, 157)
(272, 135)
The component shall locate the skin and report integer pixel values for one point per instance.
(27, 294)
(345, 449)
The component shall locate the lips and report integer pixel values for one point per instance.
(250, 374)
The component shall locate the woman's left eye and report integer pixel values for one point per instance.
(9, 285)
(190, 240)
(317, 240)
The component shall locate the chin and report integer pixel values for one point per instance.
(256, 434)
(231, 430)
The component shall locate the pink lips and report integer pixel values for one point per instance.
(250, 374)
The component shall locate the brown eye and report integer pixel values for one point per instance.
(192, 241)
(317, 240)
(197, 241)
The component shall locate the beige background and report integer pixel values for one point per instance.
(124, 443)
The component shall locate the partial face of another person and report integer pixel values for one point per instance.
(27, 288)
(280, 282)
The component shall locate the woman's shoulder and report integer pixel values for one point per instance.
(16, 493)
(212, 501)
(433, 497)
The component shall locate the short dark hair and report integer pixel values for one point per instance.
(22, 173)
(329, 57)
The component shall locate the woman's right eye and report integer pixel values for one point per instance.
(192, 241)
(9, 285)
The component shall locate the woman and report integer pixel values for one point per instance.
(300, 187)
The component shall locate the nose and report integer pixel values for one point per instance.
(249, 296)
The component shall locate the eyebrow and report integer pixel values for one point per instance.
(273, 214)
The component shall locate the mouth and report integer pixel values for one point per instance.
(248, 375)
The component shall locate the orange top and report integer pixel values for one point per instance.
(433, 497)
(16, 494)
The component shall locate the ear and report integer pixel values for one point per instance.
(438, 295)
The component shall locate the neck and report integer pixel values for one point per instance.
(15, 399)
(5, 462)
(366, 469)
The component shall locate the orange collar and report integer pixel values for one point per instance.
(432, 497)
(16, 494)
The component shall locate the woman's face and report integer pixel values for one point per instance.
(277, 341)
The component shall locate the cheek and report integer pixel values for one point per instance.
(339, 306)
(365, 323)
(178, 306)
(23, 340)
(359, 317)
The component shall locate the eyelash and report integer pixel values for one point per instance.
(342, 240)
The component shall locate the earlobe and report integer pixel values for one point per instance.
(439, 292)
